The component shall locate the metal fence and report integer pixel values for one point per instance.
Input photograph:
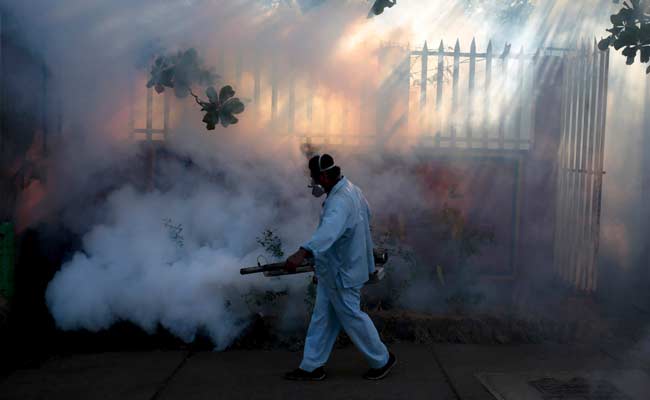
(471, 99)
(580, 175)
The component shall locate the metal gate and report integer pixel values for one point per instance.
(580, 167)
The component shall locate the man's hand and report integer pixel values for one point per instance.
(296, 259)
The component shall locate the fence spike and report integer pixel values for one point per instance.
(442, 46)
(472, 85)
(472, 65)
(424, 75)
(506, 51)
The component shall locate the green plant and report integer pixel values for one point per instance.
(256, 299)
(175, 232)
(379, 6)
(630, 31)
(183, 70)
(272, 244)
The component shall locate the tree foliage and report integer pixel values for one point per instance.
(379, 6)
(630, 31)
(182, 71)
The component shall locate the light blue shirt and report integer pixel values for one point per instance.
(342, 245)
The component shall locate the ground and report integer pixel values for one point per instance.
(433, 371)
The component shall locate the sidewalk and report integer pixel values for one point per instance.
(423, 372)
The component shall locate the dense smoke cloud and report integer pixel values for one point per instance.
(224, 188)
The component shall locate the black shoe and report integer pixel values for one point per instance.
(375, 374)
(301, 375)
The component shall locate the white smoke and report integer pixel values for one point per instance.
(240, 181)
(222, 188)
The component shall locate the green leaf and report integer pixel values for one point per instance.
(645, 54)
(211, 120)
(629, 37)
(379, 6)
(644, 33)
(211, 92)
(604, 43)
(233, 106)
(617, 19)
(225, 93)
(227, 119)
(615, 30)
(630, 51)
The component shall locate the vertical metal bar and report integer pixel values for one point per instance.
(406, 71)
(274, 91)
(560, 202)
(454, 94)
(470, 97)
(44, 113)
(292, 103)
(577, 245)
(503, 120)
(310, 103)
(238, 70)
(326, 117)
(573, 127)
(440, 71)
(487, 95)
(520, 100)
(344, 119)
(583, 174)
(132, 109)
(582, 165)
(532, 100)
(645, 186)
(221, 64)
(568, 183)
(149, 125)
(149, 141)
(564, 180)
(424, 62)
(601, 150)
(440, 74)
(591, 173)
(166, 114)
(256, 83)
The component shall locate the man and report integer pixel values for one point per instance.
(343, 252)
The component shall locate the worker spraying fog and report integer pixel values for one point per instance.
(343, 252)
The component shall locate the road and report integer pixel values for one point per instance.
(423, 372)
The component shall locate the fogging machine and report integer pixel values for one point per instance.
(278, 269)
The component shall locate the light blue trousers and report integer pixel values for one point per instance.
(336, 309)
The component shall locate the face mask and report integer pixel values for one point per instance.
(316, 189)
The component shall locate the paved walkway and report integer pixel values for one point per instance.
(423, 372)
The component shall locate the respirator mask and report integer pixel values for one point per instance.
(317, 190)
